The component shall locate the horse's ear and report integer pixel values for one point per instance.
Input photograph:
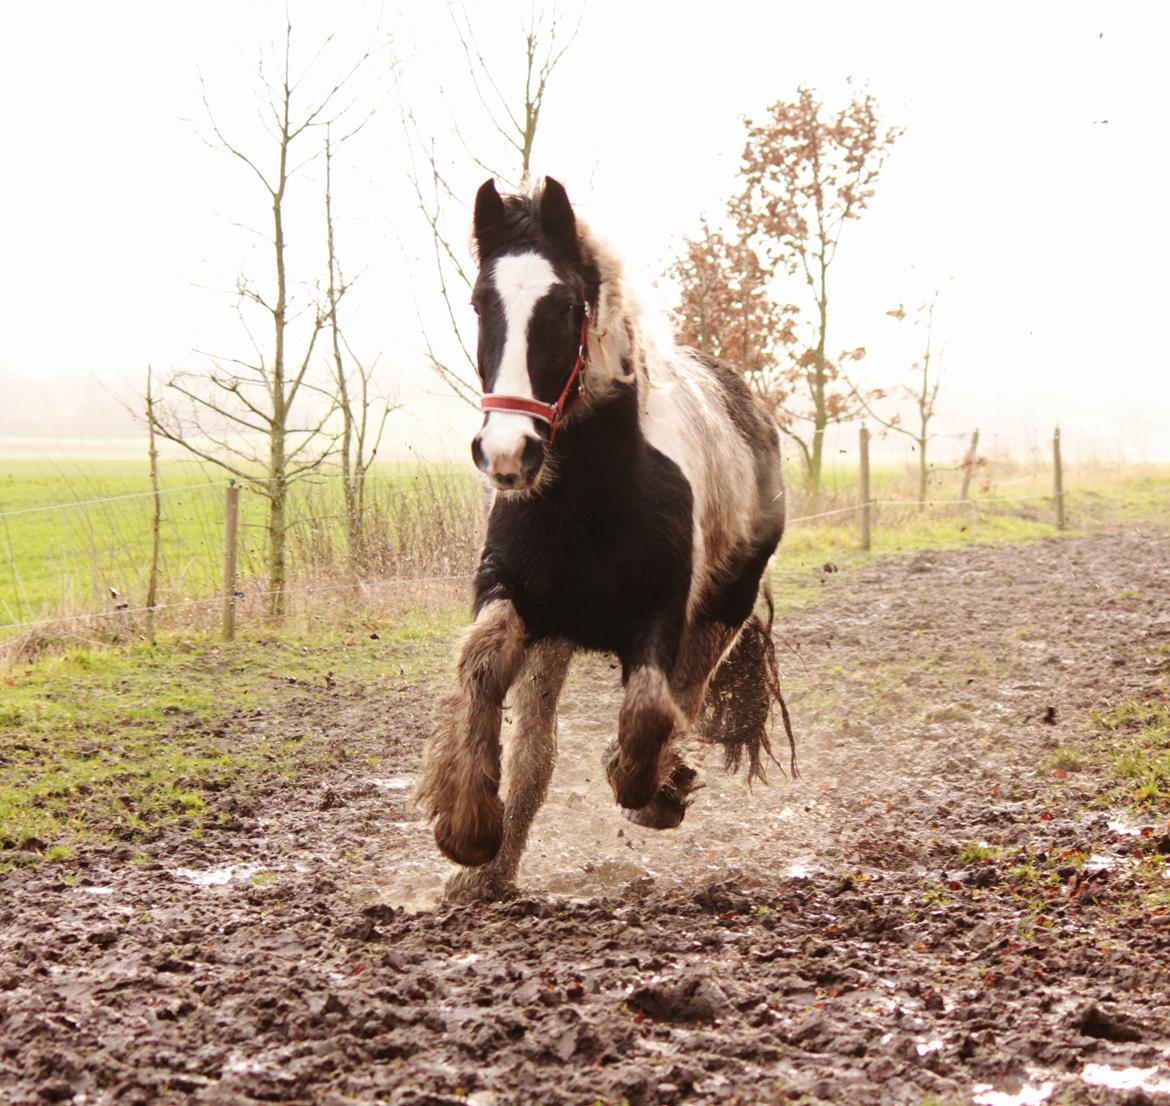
(489, 209)
(556, 216)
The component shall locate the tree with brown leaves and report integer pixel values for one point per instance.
(726, 311)
(806, 173)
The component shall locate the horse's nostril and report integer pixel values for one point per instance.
(477, 454)
(506, 479)
(531, 458)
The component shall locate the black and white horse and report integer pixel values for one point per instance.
(638, 499)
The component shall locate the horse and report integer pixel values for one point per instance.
(638, 497)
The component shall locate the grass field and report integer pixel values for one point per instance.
(101, 748)
(115, 743)
(74, 533)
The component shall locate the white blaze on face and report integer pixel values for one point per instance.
(520, 282)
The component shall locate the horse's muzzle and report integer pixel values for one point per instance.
(509, 469)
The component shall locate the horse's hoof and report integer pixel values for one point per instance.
(477, 885)
(632, 786)
(661, 813)
(668, 807)
(470, 850)
(632, 789)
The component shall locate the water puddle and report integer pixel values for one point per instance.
(986, 1095)
(1127, 827)
(393, 783)
(219, 876)
(243, 1065)
(802, 869)
(1125, 1079)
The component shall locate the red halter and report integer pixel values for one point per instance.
(551, 413)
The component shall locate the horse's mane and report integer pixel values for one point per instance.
(620, 351)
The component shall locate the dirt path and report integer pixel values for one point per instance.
(941, 906)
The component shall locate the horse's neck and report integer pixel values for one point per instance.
(601, 445)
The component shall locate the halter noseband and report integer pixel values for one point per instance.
(550, 413)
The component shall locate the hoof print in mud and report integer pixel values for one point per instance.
(694, 999)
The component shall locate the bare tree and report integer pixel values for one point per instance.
(363, 413)
(922, 394)
(806, 174)
(156, 506)
(252, 416)
(513, 120)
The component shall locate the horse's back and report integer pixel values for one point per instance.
(703, 416)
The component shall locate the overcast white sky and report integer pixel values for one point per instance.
(1029, 184)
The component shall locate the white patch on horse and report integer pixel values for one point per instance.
(520, 281)
(685, 419)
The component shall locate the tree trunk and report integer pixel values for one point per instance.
(277, 567)
(819, 386)
(277, 484)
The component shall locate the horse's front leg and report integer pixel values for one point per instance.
(529, 756)
(460, 779)
(702, 646)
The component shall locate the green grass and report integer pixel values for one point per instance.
(1093, 499)
(1065, 759)
(425, 523)
(976, 852)
(1137, 736)
(66, 560)
(112, 744)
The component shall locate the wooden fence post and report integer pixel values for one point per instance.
(866, 501)
(1057, 479)
(969, 465)
(231, 527)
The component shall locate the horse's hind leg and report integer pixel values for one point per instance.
(528, 763)
(701, 648)
(459, 783)
(648, 717)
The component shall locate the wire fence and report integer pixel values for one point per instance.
(81, 568)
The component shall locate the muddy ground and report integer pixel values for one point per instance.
(936, 912)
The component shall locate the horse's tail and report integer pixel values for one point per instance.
(740, 699)
(772, 678)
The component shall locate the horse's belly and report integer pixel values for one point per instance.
(597, 615)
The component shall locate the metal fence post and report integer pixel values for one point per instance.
(231, 527)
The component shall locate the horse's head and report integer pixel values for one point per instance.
(533, 296)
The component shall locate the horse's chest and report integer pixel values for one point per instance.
(595, 569)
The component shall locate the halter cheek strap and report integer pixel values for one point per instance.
(550, 413)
